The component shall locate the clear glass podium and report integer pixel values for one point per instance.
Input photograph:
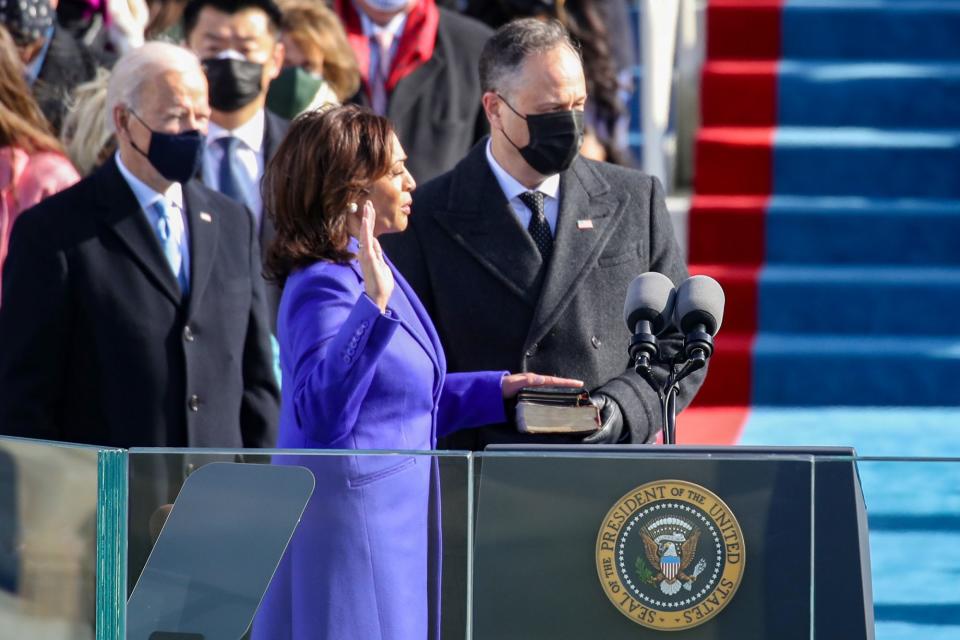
(628, 542)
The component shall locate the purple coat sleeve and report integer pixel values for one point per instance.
(337, 338)
(470, 400)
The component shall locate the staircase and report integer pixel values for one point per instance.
(827, 203)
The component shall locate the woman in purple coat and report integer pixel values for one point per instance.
(362, 369)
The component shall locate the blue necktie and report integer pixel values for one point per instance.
(231, 182)
(170, 243)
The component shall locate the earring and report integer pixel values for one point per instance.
(352, 207)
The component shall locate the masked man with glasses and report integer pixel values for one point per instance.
(238, 42)
(524, 251)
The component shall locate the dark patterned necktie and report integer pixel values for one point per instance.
(538, 228)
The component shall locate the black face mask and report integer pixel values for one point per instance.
(175, 156)
(233, 83)
(555, 139)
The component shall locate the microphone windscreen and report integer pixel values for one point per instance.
(649, 297)
(700, 300)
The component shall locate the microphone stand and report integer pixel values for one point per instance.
(698, 346)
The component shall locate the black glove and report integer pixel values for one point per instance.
(611, 421)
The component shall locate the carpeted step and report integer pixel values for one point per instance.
(727, 229)
(828, 162)
(869, 29)
(859, 301)
(738, 93)
(799, 370)
(895, 94)
(743, 29)
(855, 230)
(866, 162)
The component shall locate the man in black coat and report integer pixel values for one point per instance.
(239, 44)
(426, 82)
(133, 309)
(523, 252)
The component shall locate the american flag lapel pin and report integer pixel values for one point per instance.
(584, 224)
(206, 217)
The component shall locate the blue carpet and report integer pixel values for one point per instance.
(913, 505)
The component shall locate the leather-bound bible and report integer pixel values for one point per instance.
(556, 410)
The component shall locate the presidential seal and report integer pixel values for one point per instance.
(670, 555)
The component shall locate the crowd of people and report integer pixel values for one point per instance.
(135, 242)
(238, 224)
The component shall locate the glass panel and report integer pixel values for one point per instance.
(625, 544)
(913, 508)
(214, 543)
(48, 540)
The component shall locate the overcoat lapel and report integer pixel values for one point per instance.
(584, 196)
(121, 213)
(479, 219)
(204, 232)
(409, 90)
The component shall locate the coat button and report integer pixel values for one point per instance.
(188, 334)
(532, 351)
(595, 341)
(194, 403)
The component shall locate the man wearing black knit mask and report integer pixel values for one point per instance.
(238, 42)
(523, 252)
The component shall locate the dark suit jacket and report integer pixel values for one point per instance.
(497, 306)
(97, 344)
(273, 133)
(436, 109)
(68, 63)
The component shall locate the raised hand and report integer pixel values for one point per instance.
(377, 277)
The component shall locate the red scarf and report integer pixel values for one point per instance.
(416, 42)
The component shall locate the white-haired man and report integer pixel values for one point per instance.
(133, 308)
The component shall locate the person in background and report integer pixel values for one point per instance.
(364, 370)
(165, 20)
(319, 68)
(418, 64)
(85, 134)
(533, 247)
(55, 61)
(32, 163)
(238, 42)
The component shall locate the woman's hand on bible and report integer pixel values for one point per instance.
(512, 383)
(377, 277)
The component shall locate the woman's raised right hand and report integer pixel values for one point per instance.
(377, 277)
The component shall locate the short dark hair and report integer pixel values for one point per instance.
(191, 13)
(514, 42)
(328, 159)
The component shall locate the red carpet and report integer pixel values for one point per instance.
(734, 178)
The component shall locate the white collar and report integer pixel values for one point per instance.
(370, 28)
(250, 132)
(144, 194)
(511, 187)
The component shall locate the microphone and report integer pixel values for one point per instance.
(698, 313)
(648, 311)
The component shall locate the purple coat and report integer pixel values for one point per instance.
(366, 554)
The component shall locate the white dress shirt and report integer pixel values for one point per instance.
(249, 154)
(173, 196)
(512, 189)
(370, 28)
